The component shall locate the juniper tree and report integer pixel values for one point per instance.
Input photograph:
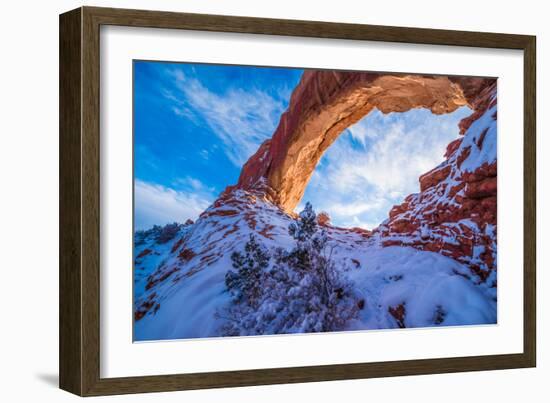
(166, 233)
(322, 284)
(306, 225)
(302, 292)
(245, 281)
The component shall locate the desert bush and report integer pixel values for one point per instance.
(246, 281)
(141, 236)
(303, 291)
(166, 233)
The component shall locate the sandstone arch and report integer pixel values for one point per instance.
(325, 103)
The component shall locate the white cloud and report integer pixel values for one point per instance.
(242, 120)
(188, 183)
(357, 222)
(354, 208)
(157, 204)
(362, 132)
(394, 160)
(377, 162)
(204, 154)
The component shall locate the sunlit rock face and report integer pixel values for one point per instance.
(324, 104)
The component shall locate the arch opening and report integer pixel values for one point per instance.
(375, 163)
(325, 104)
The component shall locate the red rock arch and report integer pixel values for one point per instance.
(324, 104)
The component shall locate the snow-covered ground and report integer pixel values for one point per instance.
(433, 289)
(179, 285)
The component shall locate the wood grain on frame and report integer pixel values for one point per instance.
(79, 200)
(70, 318)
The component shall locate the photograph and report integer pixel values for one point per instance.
(236, 201)
(277, 200)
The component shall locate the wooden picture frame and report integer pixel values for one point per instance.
(79, 346)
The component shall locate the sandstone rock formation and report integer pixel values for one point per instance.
(325, 103)
(455, 211)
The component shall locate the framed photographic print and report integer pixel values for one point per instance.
(249, 201)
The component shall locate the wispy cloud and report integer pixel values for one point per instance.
(377, 162)
(158, 205)
(355, 207)
(188, 183)
(241, 119)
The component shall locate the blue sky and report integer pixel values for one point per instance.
(195, 125)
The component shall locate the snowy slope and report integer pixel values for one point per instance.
(179, 285)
